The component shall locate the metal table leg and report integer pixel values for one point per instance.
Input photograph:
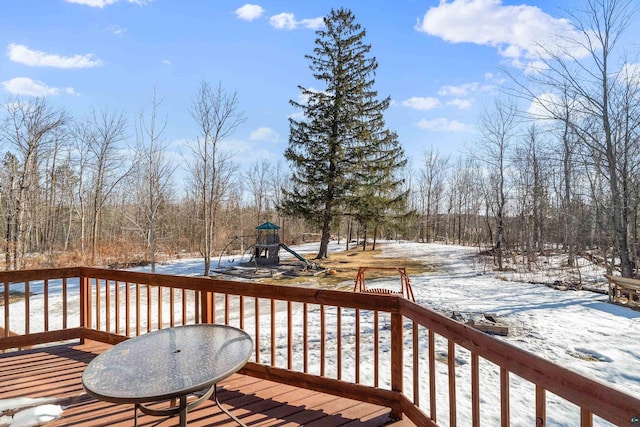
(233, 417)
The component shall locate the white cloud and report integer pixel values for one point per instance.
(166, 62)
(249, 12)
(464, 89)
(264, 134)
(116, 29)
(287, 21)
(102, 3)
(520, 33)
(419, 103)
(303, 98)
(546, 106)
(462, 104)
(313, 23)
(283, 21)
(34, 58)
(30, 87)
(631, 74)
(460, 90)
(297, 116)
(444, 125)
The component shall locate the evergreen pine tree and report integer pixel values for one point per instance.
(340, 146)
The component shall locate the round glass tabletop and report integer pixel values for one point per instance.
(167, 363)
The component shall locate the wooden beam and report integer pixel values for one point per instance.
(362, 393)
(22, 341)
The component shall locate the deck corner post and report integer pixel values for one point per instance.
(206, 307)
(397, 363)
(84, 303)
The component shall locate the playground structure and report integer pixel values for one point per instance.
(264, 250)
(405, 285)
(267, 247)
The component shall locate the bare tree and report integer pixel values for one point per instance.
(153, 175)
(83, 137)
(30, 127)
(258, 178)
(108, 164)
(531, 192)
(431, 181)
(498, 128)
(216, 114)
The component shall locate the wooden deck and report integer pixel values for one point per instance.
(55, 372)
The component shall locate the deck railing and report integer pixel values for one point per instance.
(374, 348)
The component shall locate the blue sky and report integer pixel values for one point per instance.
(439, 61)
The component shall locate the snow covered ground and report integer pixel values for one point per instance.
(576, 329)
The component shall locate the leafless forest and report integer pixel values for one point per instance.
(553, 167)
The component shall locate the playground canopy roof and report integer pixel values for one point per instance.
(268, 226)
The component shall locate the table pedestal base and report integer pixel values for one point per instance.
(182, 408)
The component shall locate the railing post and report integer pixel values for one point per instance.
(397, 363)
(84, 303)
(206, 307)
(541, 407)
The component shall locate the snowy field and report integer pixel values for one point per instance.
(576, 329)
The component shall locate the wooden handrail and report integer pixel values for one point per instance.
(343, 318)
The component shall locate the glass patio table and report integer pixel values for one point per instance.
(169, 365)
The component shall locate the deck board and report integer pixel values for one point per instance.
(56, 371)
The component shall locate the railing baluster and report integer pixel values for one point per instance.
(90, 303)
(107, 305)
(416, 363)
(127, 309)
(339, 342)
(273, 332)
(64, 303)
(184, 306)
(357, 355)
(475, 390)
(27, 311)
(117, 294)
(376, 353)
(323, 334)
(451, 368)
(214, 299)
(160, 307)
(305, 338)
(397, 363)
(7, 326)
(148, 289)
(226, 309)
(138, 310)
(172, 306)
(541, 406)
(257, 333)
(46, 304)
(432, 376)
(504, 398)
(196, 303)
(241, 311)
(289, 335)
(98, 305)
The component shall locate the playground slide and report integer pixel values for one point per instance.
(294, 253)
